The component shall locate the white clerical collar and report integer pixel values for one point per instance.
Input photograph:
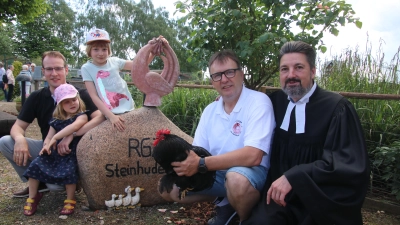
(300, 112)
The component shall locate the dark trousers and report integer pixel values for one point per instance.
(4, 90)
(10, 92)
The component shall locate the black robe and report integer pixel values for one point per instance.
(327, 166)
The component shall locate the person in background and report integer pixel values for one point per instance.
(32, 69)
(29, 66)
(237, 130)
(25, 72)
(11, 83)
(2, 85)
(107, 89)
(319, 170)
(21, 151)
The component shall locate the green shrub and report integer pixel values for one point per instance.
(184, 106)
(17, 69)
(387, 161)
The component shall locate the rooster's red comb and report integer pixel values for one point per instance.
(160, 135)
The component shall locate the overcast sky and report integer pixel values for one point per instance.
(381, 20)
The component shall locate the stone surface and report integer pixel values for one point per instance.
(6, 122)
(109, 160)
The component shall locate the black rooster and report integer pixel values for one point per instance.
(171, 148)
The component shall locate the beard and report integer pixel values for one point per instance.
(295, 92)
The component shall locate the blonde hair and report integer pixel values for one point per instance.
(100, 44)
(60, 114)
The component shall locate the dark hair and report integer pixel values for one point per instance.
(223, 56)
(54, 54)
(299, 47)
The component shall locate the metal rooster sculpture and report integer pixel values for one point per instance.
(153, 84)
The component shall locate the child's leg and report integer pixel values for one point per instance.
(33, 187)
(70, 188)
(34, 197)
(69, 204)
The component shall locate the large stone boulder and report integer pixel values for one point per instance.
(6, 122)
(110, 160)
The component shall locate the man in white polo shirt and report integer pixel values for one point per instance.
(237, 130)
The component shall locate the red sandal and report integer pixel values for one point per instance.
(31, 204)
(69, 206)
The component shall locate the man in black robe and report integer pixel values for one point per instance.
(319, 170)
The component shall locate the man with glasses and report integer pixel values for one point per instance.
(40, 105)
(237, 130)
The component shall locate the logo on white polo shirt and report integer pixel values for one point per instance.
(237, 128)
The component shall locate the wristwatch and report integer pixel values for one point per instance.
(202, 165)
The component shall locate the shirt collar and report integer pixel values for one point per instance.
(300, 112)
(239, 103)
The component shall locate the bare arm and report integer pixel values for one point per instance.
(68, 130)
(128, 65)
(21, 150)
(96, 119)
(116, 121)
(246, 156)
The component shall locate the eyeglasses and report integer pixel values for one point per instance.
(228, 73)
(50, 69)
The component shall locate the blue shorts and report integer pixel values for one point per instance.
(257, 176)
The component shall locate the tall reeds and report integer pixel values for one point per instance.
(184, 107)
(355, 71)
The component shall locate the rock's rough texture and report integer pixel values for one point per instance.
(109, 160)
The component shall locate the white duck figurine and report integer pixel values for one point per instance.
(136, 198)
(118, 202)
(111, 203)
(127, 199)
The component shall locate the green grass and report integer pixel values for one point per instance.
(184, 107)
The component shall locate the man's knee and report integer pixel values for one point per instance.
(238, 185)
(237, 180)
(6, 146)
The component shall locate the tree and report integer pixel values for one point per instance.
(257, 29)
(6, 42)
(50, 31)
(22, 10)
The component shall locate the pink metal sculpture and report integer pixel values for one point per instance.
(152, 84)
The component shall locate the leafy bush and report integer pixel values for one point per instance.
(17, 69)
(137, 95)
(387, 161)
(184, 107)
